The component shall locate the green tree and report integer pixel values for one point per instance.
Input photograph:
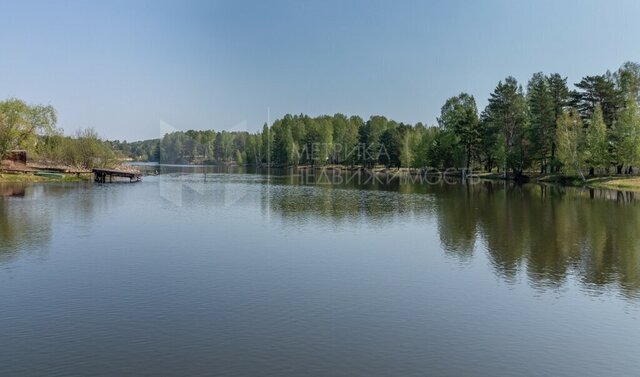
(459, 115)
(489, 133)
(254, 150)
(318, 142)
(542, 122)
(628, 80)
(284, 148)
(410, 145)
(442, 152)
(345, 137)
(593, 90)
(266, 138)
(91, 151)
(351, 146)
(626, 136)
(239, 157)
(507, 111)
(424, 141)
(570, 136)
(369, 136)
(392, 140)
(561, 97)
(21, 124)
(596, 140)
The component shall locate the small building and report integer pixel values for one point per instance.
(19, 156)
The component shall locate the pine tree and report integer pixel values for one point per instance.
(541, 120)
(507, 111)
(560, 95)
(595, 90)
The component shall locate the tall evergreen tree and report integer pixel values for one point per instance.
(593, 90)
(507, 111)
(542, 120)
(561, 97)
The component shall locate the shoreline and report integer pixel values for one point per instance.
(617, 183)
(30, 178)
(11, 172)
(612, 182)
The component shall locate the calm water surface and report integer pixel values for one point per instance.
(196, 274)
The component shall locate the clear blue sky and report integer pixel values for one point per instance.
(122, 67)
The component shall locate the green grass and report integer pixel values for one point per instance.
(616, 182)
(604, 182)
(627, 183)
(28, 178)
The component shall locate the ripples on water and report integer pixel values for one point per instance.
(190, 273)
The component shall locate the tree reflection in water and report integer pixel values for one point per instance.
(545, 232)
(24, 224)
(27, 213)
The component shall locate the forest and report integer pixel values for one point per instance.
(543, 127)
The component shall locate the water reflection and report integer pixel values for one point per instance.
(547, 233)
(28, 213)
(24, 225)
(9, 190)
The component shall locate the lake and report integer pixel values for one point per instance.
(205, 271)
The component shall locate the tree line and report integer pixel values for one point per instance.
(33, 128)
(543, 127)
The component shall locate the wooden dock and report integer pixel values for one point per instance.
(102, 174)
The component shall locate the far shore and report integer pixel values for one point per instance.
(613, 182)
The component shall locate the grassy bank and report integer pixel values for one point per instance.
(30, 178)
(616, 183)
